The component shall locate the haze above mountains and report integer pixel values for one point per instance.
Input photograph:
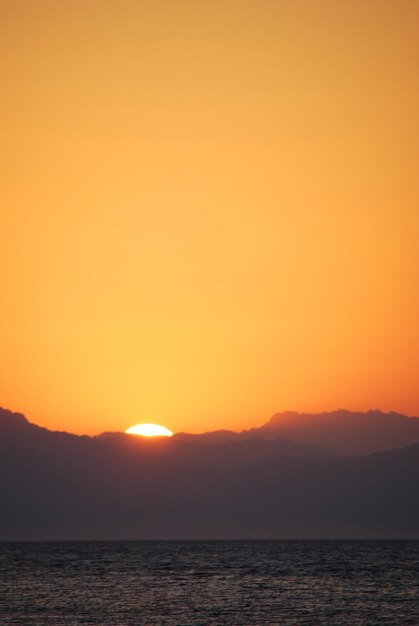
(330, 475)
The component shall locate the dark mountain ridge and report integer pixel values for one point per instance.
(55, 485)
(348, 432)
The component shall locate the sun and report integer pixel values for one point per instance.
(149, 430)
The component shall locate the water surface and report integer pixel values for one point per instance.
(210, 583)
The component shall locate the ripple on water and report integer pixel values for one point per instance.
(210, 583)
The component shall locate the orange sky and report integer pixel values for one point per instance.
(209, 210)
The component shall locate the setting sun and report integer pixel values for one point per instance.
(149, 430)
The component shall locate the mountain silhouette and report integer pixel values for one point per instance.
(56, 485)
(347, 432)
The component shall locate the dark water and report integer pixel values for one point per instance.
(235, 583)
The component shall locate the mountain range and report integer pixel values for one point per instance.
(328, 475)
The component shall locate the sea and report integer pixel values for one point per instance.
(247, 583)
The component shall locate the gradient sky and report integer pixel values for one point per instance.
(209, 210)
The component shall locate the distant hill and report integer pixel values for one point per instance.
(59, 486)
(194, 451)
(346, 432)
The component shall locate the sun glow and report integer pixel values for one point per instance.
(149, 430)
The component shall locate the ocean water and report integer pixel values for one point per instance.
(215, 582)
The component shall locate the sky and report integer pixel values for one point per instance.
(208, 210)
